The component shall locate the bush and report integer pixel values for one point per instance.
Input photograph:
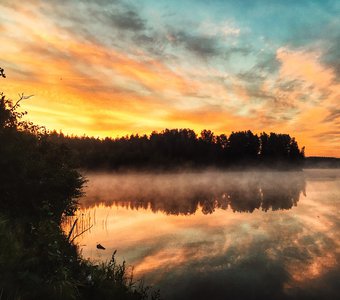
(38, 187)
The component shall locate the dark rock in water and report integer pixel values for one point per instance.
(99, 246)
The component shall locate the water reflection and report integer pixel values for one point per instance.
(184, 194)
(163, 225)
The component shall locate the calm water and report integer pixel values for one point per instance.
(215, 235)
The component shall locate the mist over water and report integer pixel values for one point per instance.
(220, 235)
(185, 192)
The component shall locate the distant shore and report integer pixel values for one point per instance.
(320, 162)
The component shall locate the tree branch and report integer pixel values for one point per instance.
(73, 226)
(22, 97)
(79, 234)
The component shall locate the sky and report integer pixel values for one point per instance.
(117, 67)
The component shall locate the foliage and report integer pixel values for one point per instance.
(179, 148)
(111, 280)
(2, 73)
(43, 264)
(36, 176)
(38, 187)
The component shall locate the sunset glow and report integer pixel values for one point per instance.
(112, 68)
(159, 237)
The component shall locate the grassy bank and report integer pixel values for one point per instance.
(39, 186)
(38, 262)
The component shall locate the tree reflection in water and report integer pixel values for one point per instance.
(222, 255)
(185, 193)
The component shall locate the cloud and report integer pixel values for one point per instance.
(126, 20)
(200, 45)
(267, 62)
(302, 81)
(222, 29)
(171, 69)
(333, 115)
(97, 21)
(305, 66)
(331, 56)
(329, 136)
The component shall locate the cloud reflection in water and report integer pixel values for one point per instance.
(192, 235)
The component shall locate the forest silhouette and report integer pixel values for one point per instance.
(178, 148)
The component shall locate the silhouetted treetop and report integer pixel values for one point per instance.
(2, 73)
(36, 176)
(170, 148)
(177, 148)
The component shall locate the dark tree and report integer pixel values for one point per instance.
(36, 175)
(38, 187)
(207, 136)
(178, 148)
(2, 73)
(243, 145)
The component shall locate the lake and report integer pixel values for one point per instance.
(219, 235)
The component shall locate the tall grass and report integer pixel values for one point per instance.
(39, 262)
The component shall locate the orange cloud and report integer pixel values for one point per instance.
(85, 87)
(312, 92)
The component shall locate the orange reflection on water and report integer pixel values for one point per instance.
(184, 224)
(151, 241)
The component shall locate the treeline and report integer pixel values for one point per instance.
(172, 148)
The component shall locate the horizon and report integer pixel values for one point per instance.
(128, 136)
(117, 68)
